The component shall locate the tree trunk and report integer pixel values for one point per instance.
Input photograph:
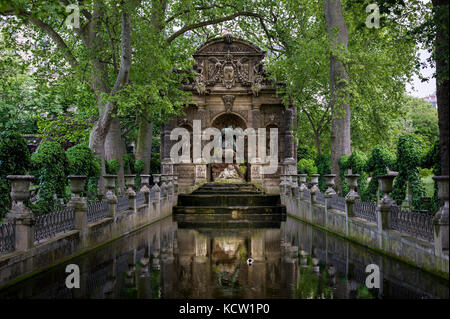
(97, 144)
(317, 141)
(144, 143)
(115, 148)
(442, 88)
(340, 109)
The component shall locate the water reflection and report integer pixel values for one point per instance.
(292, 260)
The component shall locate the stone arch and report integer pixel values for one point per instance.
(220, 120)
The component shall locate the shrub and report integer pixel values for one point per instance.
(323, 165)
(112, 166)
(307, 166)
(82, 162)
(432, 160)
(50, 167)
(409, 157)
(14, 160)
(377, 164)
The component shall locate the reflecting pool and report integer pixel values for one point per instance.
(279, 260)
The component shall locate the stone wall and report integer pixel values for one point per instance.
(421, 253)
(19, 264)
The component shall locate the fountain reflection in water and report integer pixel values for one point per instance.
(292, 260)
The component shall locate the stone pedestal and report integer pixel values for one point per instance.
(314, 187)
(200, 173)
(111, 196)
(384, 205)
(256, 174)
(156, 204)
(440, 222)
(145, 187)
(129, 182)
(79, 205)
(352, 196)
(20, 215)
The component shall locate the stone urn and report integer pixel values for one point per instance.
(145, 180)
(20, 191)
(443, 189)
(76, 184)
(352, 182)
(129, 181)
(110, 182)
(385, 185)
(314, 183)
(329, 180)
(156, 178)
(302, 180)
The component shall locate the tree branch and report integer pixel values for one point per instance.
(210, 22)
(47, 29)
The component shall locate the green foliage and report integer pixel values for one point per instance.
(380, 159)
(307, 166)
(50, 168)
(432, 160)
(82, 162)
(112, 166)
(357, 163)
(410, 151)
(128, 163)
(323, 165)
(14, 160)
(304, 151)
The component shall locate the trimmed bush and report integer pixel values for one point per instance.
(14, 160)
(50, 168)
(307, 166)
(112, 166)
(323, 165)
(379, 159)
(82, 162)
(410, 153)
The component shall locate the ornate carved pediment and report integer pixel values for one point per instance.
(228, 61)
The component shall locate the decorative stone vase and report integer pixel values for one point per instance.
(76, 184)
(329, 180)
(314, 183)
(302, 180)
(443, 193)
(20, 190)
(352, 182)
(129, 180)
(110, 182)
(385, 185)
(145, 180)
(156, 178)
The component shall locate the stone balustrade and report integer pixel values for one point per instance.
(414, 236)
(26, 239)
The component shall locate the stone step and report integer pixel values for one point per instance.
(242, 224)
(226, 217)
(224, 200)
(247, 210)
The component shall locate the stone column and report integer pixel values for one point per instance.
(290, 164)
(302, 187)
(145, 187)
(200, 173)
(256, 174)
(110, 195)
(352, 196)
(385, 186)
(440, 222)
(314, 187)
(329, 193)
(129, 182)
(157, 201)
(79, 205)
(20, 215)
